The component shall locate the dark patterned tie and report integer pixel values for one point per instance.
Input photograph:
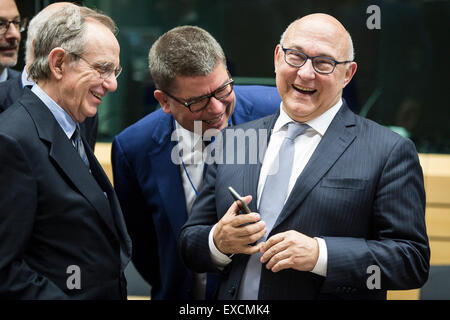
(272, 201)
(78, 144)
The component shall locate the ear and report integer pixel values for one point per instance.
(163, 100)
(56, 61)
(350, 72)
(276, 56)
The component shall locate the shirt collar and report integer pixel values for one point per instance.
(4, 75)
(189, 142)
(62, 117)
(320, 124)
(25, 80)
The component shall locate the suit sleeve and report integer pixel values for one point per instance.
(399, 247)
(18, 203)
(193, 239)
(138, 217)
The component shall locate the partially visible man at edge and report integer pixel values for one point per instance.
(11, 25)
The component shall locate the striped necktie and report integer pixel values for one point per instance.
(78, 144)
(272, 202)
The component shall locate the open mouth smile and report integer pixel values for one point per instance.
(96, 95)
(304, 90)
(213, 121)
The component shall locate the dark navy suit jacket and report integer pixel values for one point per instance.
(55, 213)
(151, 193)
(11, 90)
(362, 191)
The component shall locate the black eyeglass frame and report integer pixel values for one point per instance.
(22, 25)
(104, 75)
(206, 96)
(334, 62)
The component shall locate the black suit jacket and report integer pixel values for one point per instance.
(55, 214)
(361, 191)
(11, 90)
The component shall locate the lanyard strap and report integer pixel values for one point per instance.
(189, 177)
(205, 166)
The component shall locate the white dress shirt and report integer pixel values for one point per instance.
(26, 80)
(305, 145)
(191, 169)
(4, 75)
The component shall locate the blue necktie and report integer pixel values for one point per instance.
(78, 144)
(272, 201)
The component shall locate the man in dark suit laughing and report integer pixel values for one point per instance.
(62, 232)
(335, 198)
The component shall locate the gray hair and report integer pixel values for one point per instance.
(65, 28)
(183, 51)
(351, 50)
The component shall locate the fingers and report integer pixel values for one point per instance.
(234, 232)
(290, 250)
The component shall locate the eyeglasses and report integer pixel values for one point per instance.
(199, 103)
(297, 59)
(105, 70)
(18, 24)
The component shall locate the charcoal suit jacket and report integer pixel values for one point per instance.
(62, 232)
(361, 191)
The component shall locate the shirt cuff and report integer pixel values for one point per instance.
(221, 260)
(322, 262)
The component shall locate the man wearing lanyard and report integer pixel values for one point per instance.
(157, 187)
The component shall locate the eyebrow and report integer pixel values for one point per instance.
(103, 64)
(299, 48)
(202, 96)
(7, 19)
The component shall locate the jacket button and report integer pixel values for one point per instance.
(232, 291)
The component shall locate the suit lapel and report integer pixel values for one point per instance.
(336, 140)
(64, 155)
(167, 174)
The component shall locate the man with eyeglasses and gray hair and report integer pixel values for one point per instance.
(12, 89)
(158, 162)
(337, 203)
(11, 25)
(62, 232)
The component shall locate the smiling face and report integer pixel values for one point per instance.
(81, 89)
(9, 41)
(307, 94)
(215, 115)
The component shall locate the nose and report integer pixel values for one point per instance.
(215, 106)
(307, 71)
(110, 83)
(12, 32)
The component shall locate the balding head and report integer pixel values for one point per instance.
(325, 25)
(313, 64)
(37, 22)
